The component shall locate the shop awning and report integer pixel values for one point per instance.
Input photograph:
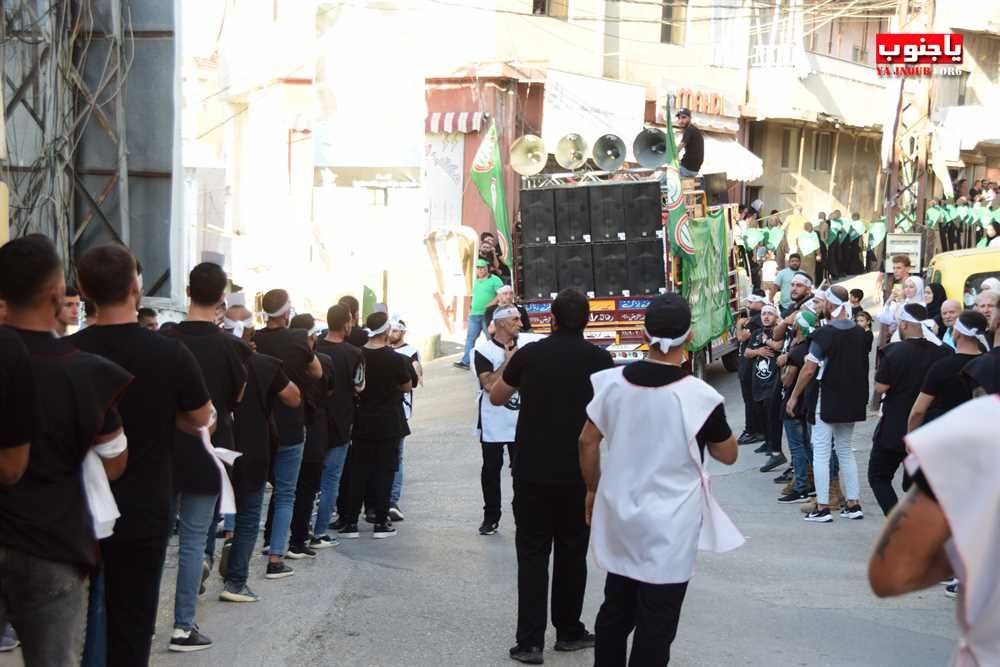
(723, 154)
(447, 122)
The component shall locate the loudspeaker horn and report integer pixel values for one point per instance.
(528, 155)
(650, 148)
(571, 152)
(609, 152)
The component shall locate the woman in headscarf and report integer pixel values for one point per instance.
(913, 292)
(934, 297)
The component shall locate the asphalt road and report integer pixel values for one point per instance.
(438, 594)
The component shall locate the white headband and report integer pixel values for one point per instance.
(666, 343)
(769, 309)
(508, 311)
(833, 299)
(802, 280)
(756, 298)
(381, 330)
(281, 311)
(926, 325)
(237, 326)
(971, 333)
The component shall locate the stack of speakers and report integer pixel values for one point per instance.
(602, 239)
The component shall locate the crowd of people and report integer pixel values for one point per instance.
(124, 432)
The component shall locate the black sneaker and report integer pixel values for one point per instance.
(785, 477)
(773, 462)
(370, 517)
(227, 547)
(395, 514)
(584, 641)
(300, 551)
(185, 641)
(852, 512)
(349, 531)
(794, 497)
(951, 590)
(383, 530)
(242, 595)
(338, 524)
(278, 570)
(749, 438)
(529, 655)
(488, 528)
(820, 516)
(323, 542)
(763, 449)
(459, 364)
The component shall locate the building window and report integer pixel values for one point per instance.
(557, 9)
(963, 87)
(673, 18)
(756, 139)
(789, 148)
(823, 151)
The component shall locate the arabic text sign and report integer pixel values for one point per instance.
(918, 48)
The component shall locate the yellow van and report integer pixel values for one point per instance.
(962, 272)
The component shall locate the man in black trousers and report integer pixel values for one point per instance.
(553, 379)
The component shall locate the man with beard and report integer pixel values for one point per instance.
(783, 281)
(357, 337)
(797, 425)
(898, 380)
(763, 352)
(746, 327)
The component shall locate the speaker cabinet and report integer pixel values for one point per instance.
(538, 220)
(607, 212)
(610, 269)
(576, 267)
(716, 188)
(642, 210)
(645, 267)
(572, 214)
(539, 271)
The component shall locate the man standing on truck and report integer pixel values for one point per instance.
(692, 143)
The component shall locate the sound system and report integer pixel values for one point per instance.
(572, 215)
(646, 272)
(607, 212)
(716, 188)
(643, 212)
(538, 271)
(538, 219)
(576, 267)
(610, 269)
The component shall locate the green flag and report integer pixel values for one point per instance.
(774, 237)
(487, 173)
(675, 216)
(705, 284)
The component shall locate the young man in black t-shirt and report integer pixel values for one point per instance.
(348, 382)
(378, 427)
(168, 391)
(47, 531)
(753, 427)
(553, 379)
(898, 380)
(197, 479)
(763, 352)
(692, 143)
(293, 348)
(358, 337)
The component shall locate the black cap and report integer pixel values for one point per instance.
(683, 111)
(668, 316)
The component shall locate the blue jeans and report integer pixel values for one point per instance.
(827, 438)
(477, 323)
(228, 523)
(196, 516)
(685, 172)
(285, 467)
(95, 647)
(246, 525)
(397, 479)
(329, 487)
(800, 448)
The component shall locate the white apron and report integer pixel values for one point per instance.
(498, 423)
(654, 506)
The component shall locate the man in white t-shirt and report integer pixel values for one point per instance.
(651, 508)
(497, 423)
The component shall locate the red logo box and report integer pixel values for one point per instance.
(918, 48)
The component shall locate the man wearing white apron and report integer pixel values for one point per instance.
(651, 507)
(497, 423)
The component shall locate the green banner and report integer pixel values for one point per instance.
(775, 235)
(706, 285)
(487, 173)
(753, 237)
(676, 217)
(808, 243)
(876, 233)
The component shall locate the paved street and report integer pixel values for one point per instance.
(439, 594)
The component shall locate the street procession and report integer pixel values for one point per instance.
(484, 332)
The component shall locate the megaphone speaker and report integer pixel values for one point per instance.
(528, 155)
(609, 153)
(571, 152)
(650, 148)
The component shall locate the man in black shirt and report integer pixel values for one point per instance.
(197, 478)
(167, 392)
(553, 378)
(692, 143)
(763, 353)
(944, 386)
(983, 374)
(69, 315)
(378, 427)
(348, 382)
(293, 348)
(746, 326)
(47, 533)
(898, 380)
(358, 337)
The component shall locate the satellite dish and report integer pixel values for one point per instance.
(650, 148)
(609, 153)
(571, 152)
(528, 155)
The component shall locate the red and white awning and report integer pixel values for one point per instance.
(453, 121)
